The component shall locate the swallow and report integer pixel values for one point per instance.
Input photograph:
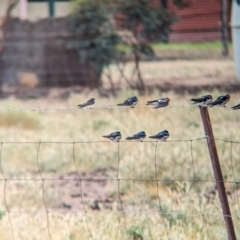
(90, 102)
(220, 101)
(161, 136)
(113, 137)
(130, 102)
(139, 137)
(159, 103)
(236, 107)
(203, 101)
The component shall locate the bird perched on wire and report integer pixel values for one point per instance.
(90, 102)
(139, 137)
(203, 101)
(130, 102)
(113, 137)
(236, 107)
(221, 101)
(159, 103)
(161, 136)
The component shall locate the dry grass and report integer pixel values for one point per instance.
(137, 162)
(179, 71)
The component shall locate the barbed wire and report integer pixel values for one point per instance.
(36, 109)
(121, 141)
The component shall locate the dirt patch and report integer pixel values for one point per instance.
(178, 86)
(91, 192)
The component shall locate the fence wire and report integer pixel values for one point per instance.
(125, 212)
(35, 109)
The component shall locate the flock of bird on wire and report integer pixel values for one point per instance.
(204, 101)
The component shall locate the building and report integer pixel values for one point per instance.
(198, 22)
(34, 10)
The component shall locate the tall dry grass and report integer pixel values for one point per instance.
(181, 199)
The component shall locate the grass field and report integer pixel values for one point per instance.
(181, 199)
(177, 72)
(185, 50)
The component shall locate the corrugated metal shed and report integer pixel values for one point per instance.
(197, 23)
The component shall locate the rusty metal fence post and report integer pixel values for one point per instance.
(217, 172)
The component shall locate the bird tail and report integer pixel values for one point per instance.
(120, 104)
(195, 100)
(152, 136)
(213, 104)
(236, 107)
(81, 105)
(131, 138)
(105, 136)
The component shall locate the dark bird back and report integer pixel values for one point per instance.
(221, 101)
(90, 102)
(204, 100)
(130, 102)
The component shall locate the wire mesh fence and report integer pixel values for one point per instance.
(138, 190)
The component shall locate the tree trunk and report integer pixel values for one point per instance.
(224, 27)
(3, 22)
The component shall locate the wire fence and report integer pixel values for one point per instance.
(74, 108)
(123, 209)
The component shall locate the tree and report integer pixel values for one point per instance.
(3, 21)
(224, 27)
(95, 37)
(155, 23)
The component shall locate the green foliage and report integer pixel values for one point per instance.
(1, 214)
(155, 21)
(136, 232)
(95, 37)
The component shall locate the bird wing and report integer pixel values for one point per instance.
(198, 100)
(217, 101)
(128, 102)
(83, 105)
(162, 103)
(152, 102)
